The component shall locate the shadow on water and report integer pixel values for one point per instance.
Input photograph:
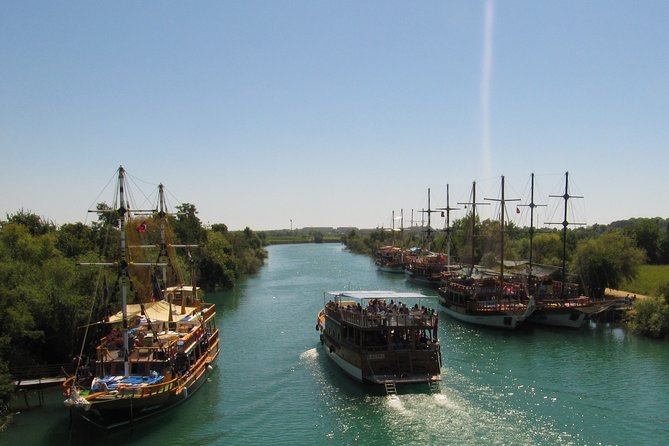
(228, 300)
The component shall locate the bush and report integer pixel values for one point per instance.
(651, 317)
(664, 291)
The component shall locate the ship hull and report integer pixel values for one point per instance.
(565, 318)
(506, 321)
(114, 411)
(396, 269)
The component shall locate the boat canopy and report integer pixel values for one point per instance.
(390, 248)
(156, 312)
(370, 295)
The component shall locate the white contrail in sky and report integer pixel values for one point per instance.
(485, 87)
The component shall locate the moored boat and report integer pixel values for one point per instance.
(390, 259)
(489, 301)
(158, 351)
(561, 308)
(379, 337)
(559, 303)
(426, 269)
(486, 301)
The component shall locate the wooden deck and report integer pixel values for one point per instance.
(39, 383)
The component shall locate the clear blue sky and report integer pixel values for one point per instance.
(334, 113)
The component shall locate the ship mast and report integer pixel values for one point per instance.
(162, 214)
(473, 204)
(123, 267)
(428, 238)
(393, 229)
(447, 230)
(502, 202)
(123, 211)
(564, 224)
(401, 227)
(531, 205)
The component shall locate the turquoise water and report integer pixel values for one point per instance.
(274, 385)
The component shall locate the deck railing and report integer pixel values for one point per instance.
(176, 342)
(363, 319)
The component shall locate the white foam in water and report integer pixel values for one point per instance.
(442, 400)
(309, 355)
(395, 403)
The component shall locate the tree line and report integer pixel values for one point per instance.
(45, 298)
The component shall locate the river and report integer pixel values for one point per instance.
(274, 385)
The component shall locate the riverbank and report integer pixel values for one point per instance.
(619, 294)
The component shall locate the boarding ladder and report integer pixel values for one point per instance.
(434, 386)
(391, 389)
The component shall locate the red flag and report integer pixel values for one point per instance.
(517, 210)
(141, 228)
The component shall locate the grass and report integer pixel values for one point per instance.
(649, 280)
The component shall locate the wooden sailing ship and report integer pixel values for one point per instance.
(157, 352)
(559, 303)
(391, 258)
(424, 267)
(379, 337)
(490, 301)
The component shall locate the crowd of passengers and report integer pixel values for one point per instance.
(377, 306)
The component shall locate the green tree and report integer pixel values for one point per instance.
(606, 260)
(6, 391)
(664, 291)
(462, 239)
(219, 227)
(187, 226)
(36, 279)
(217, 267)
(357, 243)
(651, 317)
(547, 247)
(35, 224)
(646, 232)
(663, 252)
(226, 256)
(75, 240)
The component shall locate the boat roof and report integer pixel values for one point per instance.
(181, 287)
(379, 294)
(156, 311)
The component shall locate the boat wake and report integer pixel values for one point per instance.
(442, 400)
(310, 355)
(395, 404)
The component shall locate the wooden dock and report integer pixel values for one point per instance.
(39, 383)
(33, 380)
